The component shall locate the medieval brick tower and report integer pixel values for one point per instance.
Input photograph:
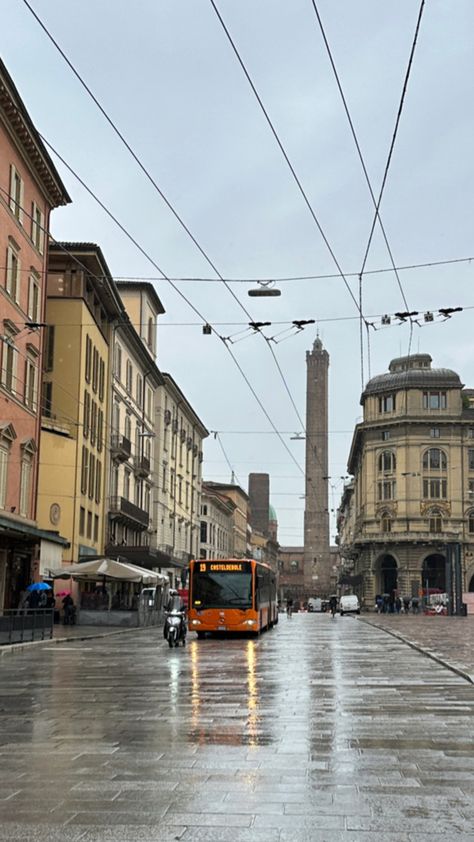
(317, 562)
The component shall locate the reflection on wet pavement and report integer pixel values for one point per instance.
(321, 729)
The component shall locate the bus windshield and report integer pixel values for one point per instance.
(214, 587)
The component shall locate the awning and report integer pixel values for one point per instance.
(108, 568)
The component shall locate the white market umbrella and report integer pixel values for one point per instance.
(110, 569)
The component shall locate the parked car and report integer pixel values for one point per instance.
(349, 604)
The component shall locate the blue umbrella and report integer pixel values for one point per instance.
(39, 586)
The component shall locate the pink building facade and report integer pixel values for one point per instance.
(29, 188)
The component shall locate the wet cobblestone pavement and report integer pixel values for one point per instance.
(326, 730)
(450, 639)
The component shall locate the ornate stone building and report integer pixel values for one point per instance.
(406, 521)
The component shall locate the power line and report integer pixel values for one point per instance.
(359, 151)
(279, 280)
(180, 293)
(283, 152)
(389, 160)
(156, 187)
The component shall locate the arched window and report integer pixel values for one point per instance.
(435, 459)
(127, 430)
(386, 522)
(470, 522)
(435, 521)
(387, 462)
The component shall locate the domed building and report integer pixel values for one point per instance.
(406, 520)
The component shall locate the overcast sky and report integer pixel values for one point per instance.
(167, 76)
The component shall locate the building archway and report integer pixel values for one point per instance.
(433, 572)
(471, 584)
(388, 574)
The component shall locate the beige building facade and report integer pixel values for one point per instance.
(240, 536)
(178, 478)
(217, 523)
(134, 383)
(406, 521)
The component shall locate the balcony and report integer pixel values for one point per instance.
(410, 537)
(128, 513)
(120, 447)
(142, 467)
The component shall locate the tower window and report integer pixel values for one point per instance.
(387, 403)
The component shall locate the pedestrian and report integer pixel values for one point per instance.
(23, 602)
(385, 603)
(415, 604)
(379, 603)
(391, 603)
(406, 604)
(69, 610)
(398, 604)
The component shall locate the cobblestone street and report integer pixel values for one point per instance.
(327, 730)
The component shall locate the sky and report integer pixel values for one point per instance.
(167, 76)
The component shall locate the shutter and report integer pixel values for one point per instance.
(4, 362)
(41, 233)
(9, 270)
(31, 295)
(22, 198)
(12, 188)
(3, 476)
(14, 388)
(33, 221)
(18, 280)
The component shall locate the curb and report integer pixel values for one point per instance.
(467, 676)
(17, 648)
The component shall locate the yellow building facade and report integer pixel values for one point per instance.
(82, 304)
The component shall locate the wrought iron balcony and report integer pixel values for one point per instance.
(123, 509)
(142, 466)
(120, 447)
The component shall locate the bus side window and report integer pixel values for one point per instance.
(258, 591)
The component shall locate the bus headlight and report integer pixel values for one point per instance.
(195, 622)
(250, 622)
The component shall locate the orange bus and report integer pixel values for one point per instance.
(231, 595)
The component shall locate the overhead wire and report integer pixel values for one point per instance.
(182, 295)
(389, 159)
(277, 279)
(150, 178)
(283, 151)
(359, 151)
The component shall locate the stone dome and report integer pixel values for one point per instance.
(412, 372)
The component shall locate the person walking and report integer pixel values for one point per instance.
(406, 604)
(289, 606)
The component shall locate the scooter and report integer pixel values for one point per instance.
(175, 628)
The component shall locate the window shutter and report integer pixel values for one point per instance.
(12, 188)
(4, 362)
(41, 233)
(18, 280)
(9, 270)
(14, 371)
(22, 198)
(31, 296)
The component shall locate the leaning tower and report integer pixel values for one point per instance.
(317, 562)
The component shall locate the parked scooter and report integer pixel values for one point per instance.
(174, 630)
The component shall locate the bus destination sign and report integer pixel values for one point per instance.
(221, 567)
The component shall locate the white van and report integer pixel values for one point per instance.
(349, 604)
(314, 604)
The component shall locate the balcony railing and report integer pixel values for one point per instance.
(120, 447)
(120, 506)
(142, 466)
(405, 537)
